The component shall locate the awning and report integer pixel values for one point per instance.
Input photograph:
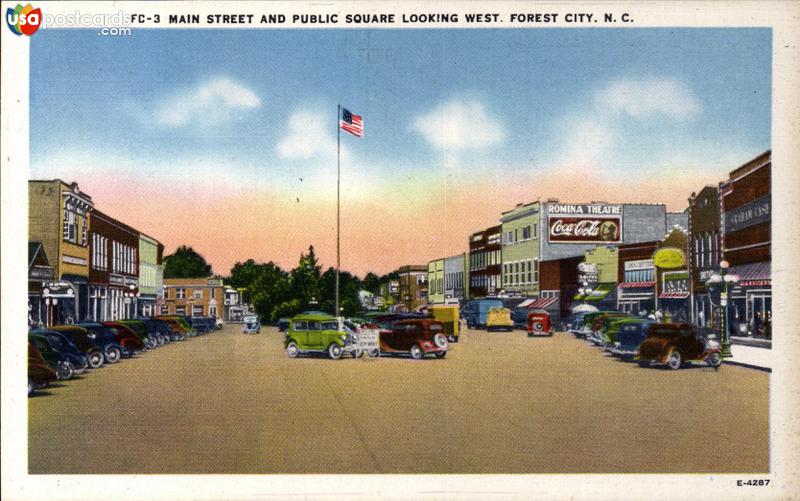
(542, 302)
(673, 295)
(525, 303)
(636, 285)
(753, 274)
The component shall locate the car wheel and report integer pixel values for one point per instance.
(113, 355)
(644, 363)
(416, 352)
(674, 360)
(64, 372)
(292, 351)
(714, 360)
(95, 359)
(374, 353)
(440, 354)
(152, 342)
(335, 351)
(30, 386)
(357, 353)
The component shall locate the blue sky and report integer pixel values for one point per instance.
(453, 108)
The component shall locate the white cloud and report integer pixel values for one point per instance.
(212, 102)
(310, 136)
(460, 125)
(650, 97)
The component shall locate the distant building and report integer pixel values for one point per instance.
(705, 251)
(151, 274)
(413, 286)
(114, 270)
(455, 278)
(484, 262)
(436, 281)
(199, 297)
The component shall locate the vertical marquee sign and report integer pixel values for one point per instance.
(584, 224)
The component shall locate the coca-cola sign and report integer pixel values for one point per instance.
(584, 230)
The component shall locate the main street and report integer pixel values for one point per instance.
(499, 403)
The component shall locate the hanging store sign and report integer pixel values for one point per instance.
(669, 257)
(584, 224)
(639, 264)
(73, 260)
(756, 212)
(114, 279)
(675, 282)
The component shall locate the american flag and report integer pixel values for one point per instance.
(351, 123)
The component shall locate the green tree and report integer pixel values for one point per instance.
(186, 263)
(349, 285)
(371, 282)
(304, 280)
(269, 289)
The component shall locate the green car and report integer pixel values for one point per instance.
(610, 329)
(315, 332)
(139, 328)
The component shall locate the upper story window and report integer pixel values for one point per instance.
(180, 293)
(198, 293)
(526, 233)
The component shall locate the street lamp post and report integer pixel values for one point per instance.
(723, 279)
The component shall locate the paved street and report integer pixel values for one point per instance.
(500, 402)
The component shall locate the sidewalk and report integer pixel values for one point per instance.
(750, 356)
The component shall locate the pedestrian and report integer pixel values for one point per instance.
(651, 316)
(659, 315)
(701, 318)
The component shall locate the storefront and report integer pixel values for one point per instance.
(636, 293)
(751, 298)
(673, 301)
(40, 273)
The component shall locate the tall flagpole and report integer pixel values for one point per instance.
(338, 182)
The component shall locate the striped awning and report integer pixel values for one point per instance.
(527, 302)
(636, 285)
(753, 274)
(542, 302)
(673, 295)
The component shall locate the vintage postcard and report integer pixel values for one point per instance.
(441, 250)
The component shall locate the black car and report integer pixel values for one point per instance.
(163, 327)
(105, 339)
(80, 338)
(60, 362)
(77, 358)
(202, 324)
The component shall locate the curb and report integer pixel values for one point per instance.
(748, 366)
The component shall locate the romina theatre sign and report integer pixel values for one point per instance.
(584, 223)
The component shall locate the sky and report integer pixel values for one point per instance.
(226, 140)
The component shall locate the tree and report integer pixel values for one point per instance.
(371, 282)
(269, 289)
(304, 280)
(349, 286)
(186, 263)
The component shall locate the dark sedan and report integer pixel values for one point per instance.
(415, 337)
(77, 358)
(80, 338)
(39, 373)
(105, 339)
(131, 344)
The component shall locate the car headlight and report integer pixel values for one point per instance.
(711, 344)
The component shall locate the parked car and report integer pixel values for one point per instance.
(130, 342)
(252, 324)
(171, 332)
(499, 318)
(575, 323)
(630, 334)
(139, 328)
(601, 326)
(218, 323)
(540, 324)
(77, 358)
(80, 338)
(176, 326)
(180, 320)
(677, 344)
(447, 314)
(477, 311)
(202, 325)
(59, 362)
(318, 333)
(418, 337)
(283, 324)
(40, 375)
(105, 339)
